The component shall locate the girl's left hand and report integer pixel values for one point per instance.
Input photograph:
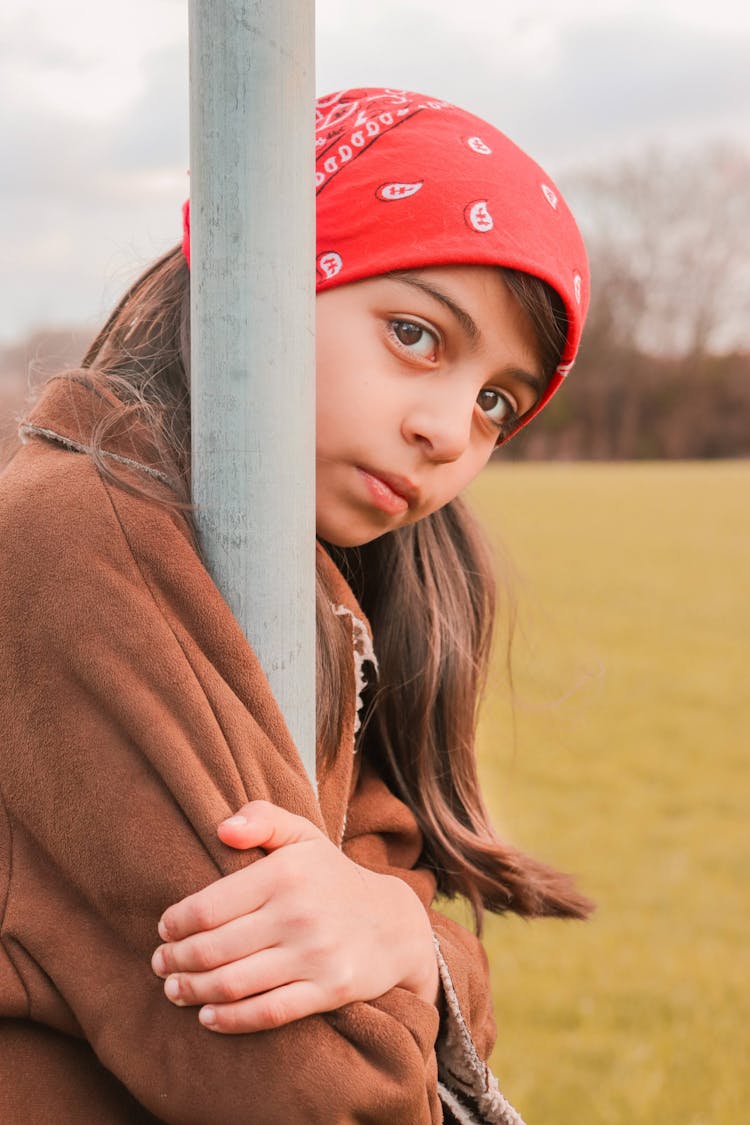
(304, 929)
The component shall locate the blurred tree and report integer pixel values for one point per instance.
(664, 369)
(669, 240)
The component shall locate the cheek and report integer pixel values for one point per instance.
(349, 396)
(337, 363)
(330, 389)
(474, 464)
(335, 402)
(345, 417)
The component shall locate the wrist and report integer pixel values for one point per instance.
(421, 974)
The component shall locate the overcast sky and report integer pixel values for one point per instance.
(94, 123)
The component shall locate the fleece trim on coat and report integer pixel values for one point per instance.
(135, 718)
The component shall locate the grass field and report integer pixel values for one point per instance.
(628, 767)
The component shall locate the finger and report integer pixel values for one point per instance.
(260, 824)
(240, 893)
(268, 969)
(272, 1009)
(209, 949)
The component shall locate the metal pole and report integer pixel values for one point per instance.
(252, 239)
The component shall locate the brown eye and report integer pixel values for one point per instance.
(495, 405)
(415, 337)
(407, 333)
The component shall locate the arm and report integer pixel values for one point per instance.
(134, 720)
(218, 940)
(217, 930)
(302, 930)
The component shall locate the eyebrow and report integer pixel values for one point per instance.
(533, 381)
(467, 324)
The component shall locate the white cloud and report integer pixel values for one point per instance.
(83, 60)
(95, 148)
(565, 81)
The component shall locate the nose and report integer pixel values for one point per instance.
(440, 422)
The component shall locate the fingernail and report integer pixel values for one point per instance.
(163, 933)
(158, 963)
(207, 1016)
(172, 988)
(237, 821)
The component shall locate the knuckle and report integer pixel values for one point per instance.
(343, 984)
(341, 995)
(183, 989)
(224, 1020)
(274, 1013)
(166, 926)
(236, 1018)
(203, 953)
(300, 923)
(202, 914)
(165, 961)
(228, 987)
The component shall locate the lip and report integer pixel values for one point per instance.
(389, 492)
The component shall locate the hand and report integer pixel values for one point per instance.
(304, 929)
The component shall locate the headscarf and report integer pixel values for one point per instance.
(406, 181)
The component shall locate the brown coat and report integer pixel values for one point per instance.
(133, 719)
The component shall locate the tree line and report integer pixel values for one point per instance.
(664, 368)
(626, 404)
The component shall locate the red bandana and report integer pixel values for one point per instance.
(405, 181)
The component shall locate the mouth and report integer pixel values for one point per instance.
(392, 494)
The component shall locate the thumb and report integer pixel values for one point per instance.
(260, 824)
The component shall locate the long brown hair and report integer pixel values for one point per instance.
(428, 591)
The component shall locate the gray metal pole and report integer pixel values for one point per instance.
(252, 307)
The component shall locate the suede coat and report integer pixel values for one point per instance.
(134, 717)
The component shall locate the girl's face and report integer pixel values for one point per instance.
(418, 375)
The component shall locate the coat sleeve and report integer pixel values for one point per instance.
(382, 834)
(122, 749)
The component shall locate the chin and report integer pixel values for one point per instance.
(350, 536)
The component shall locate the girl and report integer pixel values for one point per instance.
(452, 290)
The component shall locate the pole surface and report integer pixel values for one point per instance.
(252, 238)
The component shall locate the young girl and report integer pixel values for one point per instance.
(452, 291)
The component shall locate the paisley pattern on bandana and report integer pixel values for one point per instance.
(347, 125)
(391, 192)
(404, 181)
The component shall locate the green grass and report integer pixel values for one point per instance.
(628, 766)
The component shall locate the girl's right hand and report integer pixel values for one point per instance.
(302, 930)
